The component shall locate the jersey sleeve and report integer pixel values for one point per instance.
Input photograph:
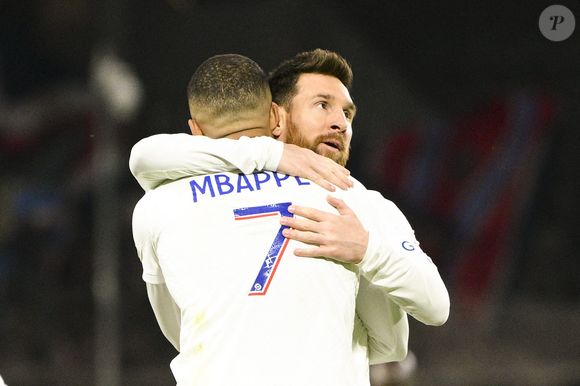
(163, 157)
(386, 324)
(166, 312)
(395, 263)
(144, 240)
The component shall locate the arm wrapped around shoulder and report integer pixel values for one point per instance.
(166, 157)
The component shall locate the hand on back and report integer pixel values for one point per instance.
(340, 237)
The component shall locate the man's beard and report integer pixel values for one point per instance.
(340, 157)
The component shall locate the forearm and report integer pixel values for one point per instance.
(163, 157)
(394, 262)
(410, 278)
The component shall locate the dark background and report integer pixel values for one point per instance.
(468, 119)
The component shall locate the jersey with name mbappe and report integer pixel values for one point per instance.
(253, 313)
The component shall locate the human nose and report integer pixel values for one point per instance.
(339, 121)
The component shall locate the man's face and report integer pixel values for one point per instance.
(320, 117)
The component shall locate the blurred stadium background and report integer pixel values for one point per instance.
(468, 119)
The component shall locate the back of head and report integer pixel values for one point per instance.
(283, 79)
(225, 89)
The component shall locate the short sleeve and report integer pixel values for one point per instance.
(144, 239)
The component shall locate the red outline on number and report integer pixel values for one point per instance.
(278, 259)
(282, 248)
(257, 216)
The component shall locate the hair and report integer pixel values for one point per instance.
(224, 85)
(283, 79)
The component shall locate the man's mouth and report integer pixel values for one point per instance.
(334, 144)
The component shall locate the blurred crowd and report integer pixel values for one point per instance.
(490, 192)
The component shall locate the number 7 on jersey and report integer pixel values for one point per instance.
(277, 248)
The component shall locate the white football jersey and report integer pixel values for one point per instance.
(252, 313)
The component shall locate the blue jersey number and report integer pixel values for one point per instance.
(275, 252)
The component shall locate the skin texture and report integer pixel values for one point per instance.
(296, 160)
(341, 236)
(323, 110)
(319, 117)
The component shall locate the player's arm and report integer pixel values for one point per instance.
(164, 157)
(387, 253)
(166, 312)
(385, 322)
(395, 262)
(342, 237)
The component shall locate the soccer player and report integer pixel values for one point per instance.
(433, 306)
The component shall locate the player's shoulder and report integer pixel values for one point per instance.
(360, 188)
(175, 187)
(357, 184)
(146, 204)
(360, 191)
(166, 194)
(369, 198)
(162, 204)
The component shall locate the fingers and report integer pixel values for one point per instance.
(342, 181)
(309, 252)
(320, 215)
(308, 232)
(330, 175)
(309, 213)
(315, 249)
(315, 215)
(322, 171)
(314, 241)
(339, 205)
(304, 237)
(323, 183)
(300, 224)
(336, 167)
(335, 174)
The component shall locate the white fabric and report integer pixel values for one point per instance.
(166, 312)
(298, 333)
(398, 276)
(152, 159)
(395, 263)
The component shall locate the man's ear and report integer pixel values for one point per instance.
(279, 131)
(274, 116)
(194, 127)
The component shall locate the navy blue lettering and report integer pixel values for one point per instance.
(279, 178)
(408, 246)
(243, 183)
(223, 184)
(260, 181)
(222, 180)
(206, 185)
(300, 182)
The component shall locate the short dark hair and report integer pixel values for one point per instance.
(283, 79)
(226, 84)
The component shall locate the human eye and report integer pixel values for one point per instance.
(322, 104)
(349, 114)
